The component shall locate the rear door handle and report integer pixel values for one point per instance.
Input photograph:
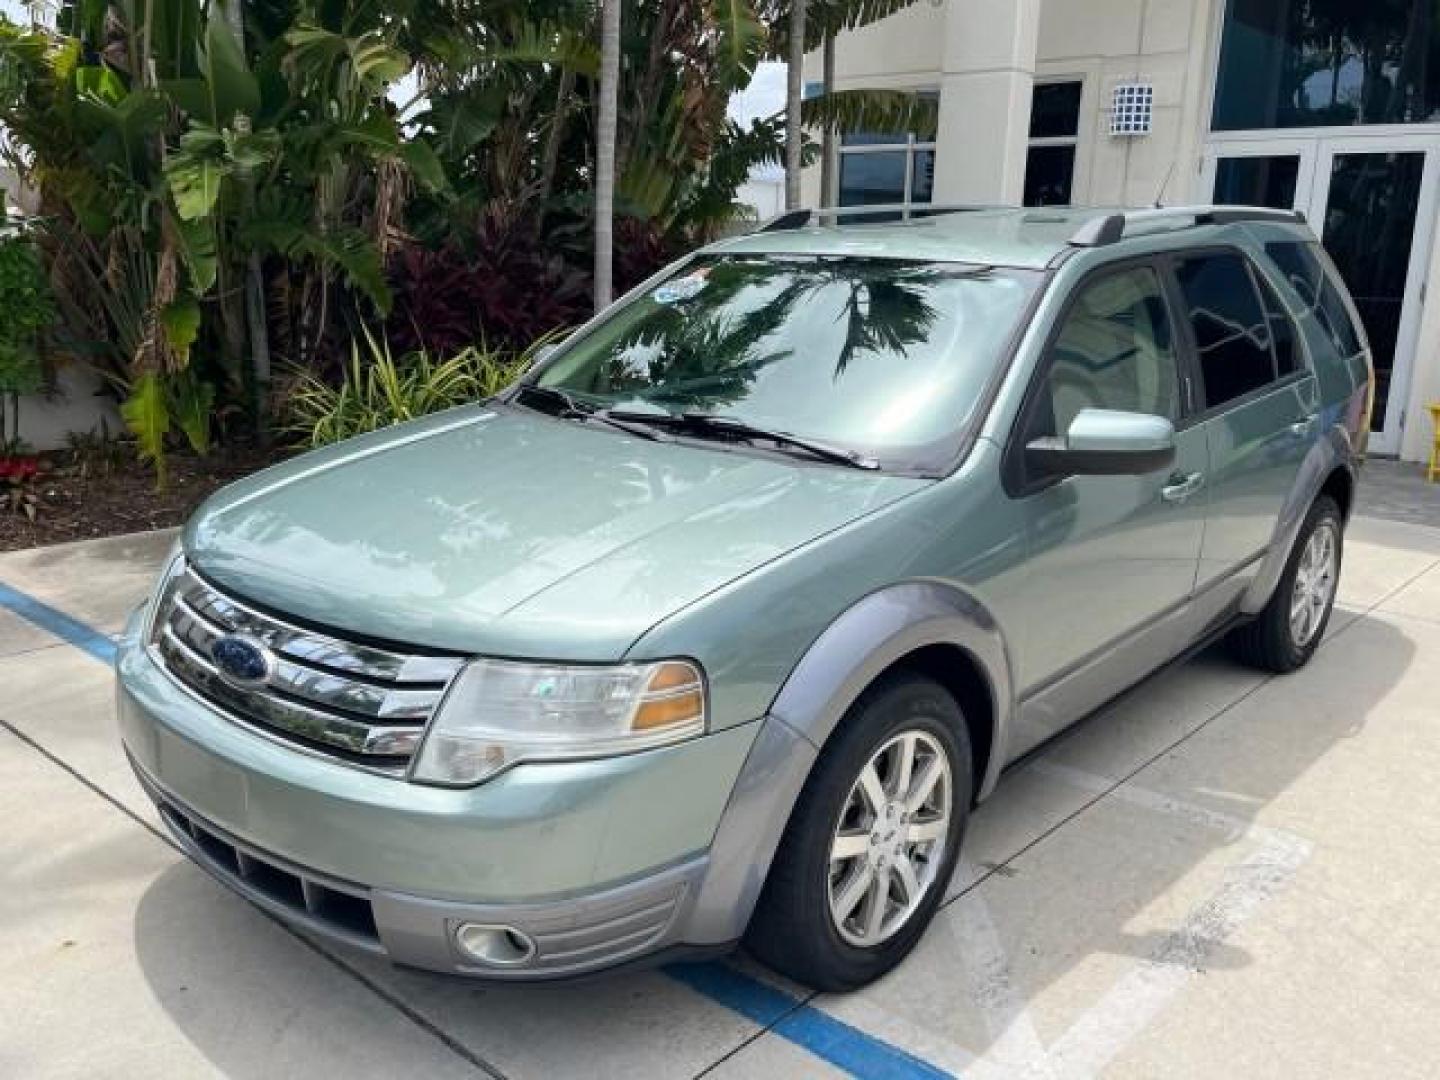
(1302, 427)
(1180, 487)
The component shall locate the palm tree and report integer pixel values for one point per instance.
(794, 91)
(827, 142)
(799, 25)
(605, 150)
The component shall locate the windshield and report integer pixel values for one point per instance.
(882, 356)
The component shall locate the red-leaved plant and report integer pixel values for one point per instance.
(508, 289)
(17, 485)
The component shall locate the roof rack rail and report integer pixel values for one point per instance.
(1100, 231)
(800, 219)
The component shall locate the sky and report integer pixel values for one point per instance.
(14, 11)
(765, 96)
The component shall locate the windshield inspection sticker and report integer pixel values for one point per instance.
(681, 288)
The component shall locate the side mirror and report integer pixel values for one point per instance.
(1105, 442)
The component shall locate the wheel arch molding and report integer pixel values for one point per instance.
(933, 626)
(1331, 464)
(899, 624)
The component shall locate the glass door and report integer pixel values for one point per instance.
(1373, 207)
(1371, 199)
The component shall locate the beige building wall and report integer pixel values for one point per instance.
(982, 57)
(1167, 43)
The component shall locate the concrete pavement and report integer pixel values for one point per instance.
(1219, 873)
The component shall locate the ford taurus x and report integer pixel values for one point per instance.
(717, 624)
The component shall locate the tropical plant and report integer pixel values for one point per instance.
(218, 182)
(26, 310)
(233, 187)
(96, 452)
(377, 389)
(449, 297)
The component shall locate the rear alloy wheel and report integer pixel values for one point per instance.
(1288, 631)
(1314, 586)
(872, 840)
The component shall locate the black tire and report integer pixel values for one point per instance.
(792, 929)
(1268, 642)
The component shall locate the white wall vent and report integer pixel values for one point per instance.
(1132, 109)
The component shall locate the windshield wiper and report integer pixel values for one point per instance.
(707, 424)
(568, 407)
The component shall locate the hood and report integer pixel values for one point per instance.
(495, 530)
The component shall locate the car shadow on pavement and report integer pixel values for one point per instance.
(1095, 877)
(1128, 884)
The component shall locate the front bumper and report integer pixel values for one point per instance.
(597, 863)
(569, 937)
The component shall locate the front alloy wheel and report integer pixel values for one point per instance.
(872, 840)
(887, 846)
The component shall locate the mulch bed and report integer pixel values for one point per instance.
(80, 503)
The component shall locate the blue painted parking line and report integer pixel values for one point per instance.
(829, 1039)
(41, 614)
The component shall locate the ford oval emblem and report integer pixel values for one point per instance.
(242, 660)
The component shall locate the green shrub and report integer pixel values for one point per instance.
(26, 310)
(377, 389)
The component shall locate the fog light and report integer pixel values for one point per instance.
(495, 946)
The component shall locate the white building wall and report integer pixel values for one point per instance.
(79, 404)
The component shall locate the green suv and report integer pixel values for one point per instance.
(717, 624)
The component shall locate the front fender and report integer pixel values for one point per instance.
(875, 633)
(846, 658)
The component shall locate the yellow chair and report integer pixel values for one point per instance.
(1434, 470)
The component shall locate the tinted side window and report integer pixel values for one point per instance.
(1114, 350)
(1306, 274)
(1283, 335)
(1229, 325)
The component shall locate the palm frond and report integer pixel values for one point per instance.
(873, 110)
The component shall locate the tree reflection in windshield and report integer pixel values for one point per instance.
(702, 353)
(869, 354)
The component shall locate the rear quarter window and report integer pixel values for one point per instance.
(1283, 334)
(1305, 271)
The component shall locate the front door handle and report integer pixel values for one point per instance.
(1301, 428)
(1180, 486)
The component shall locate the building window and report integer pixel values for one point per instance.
(1309, 63)
(1054, 131)
(885, 168)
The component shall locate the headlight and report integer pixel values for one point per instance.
(500, 712)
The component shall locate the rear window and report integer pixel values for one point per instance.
(1304, 270)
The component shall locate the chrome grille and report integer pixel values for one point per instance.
(364, 705)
